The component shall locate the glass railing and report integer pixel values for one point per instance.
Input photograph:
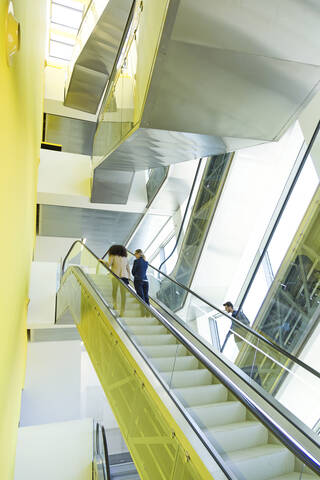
(155, 181)
(218, 405)
(124, 98)
(264, 363)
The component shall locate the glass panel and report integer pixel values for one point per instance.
(62, 38)
(76, 4)
(260, 362)
(226, 424)
(199, 222)
(124, 100)
(155, 180)
(286, 307)
(60, 50)
(66, 16)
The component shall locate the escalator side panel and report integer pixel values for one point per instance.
(157, 444)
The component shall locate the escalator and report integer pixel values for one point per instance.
(201, 216)
(110, 467)
(185, 410)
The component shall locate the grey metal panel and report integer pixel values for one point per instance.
(111, 186)
(227, 75)
(54, 334)
(95, 62)
(226, 93)
(285, 29)
(150, 148)
(75, 136)
(101, 228)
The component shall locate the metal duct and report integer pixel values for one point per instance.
(200, 78)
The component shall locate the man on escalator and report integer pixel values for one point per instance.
(240, 334)
(237, 331)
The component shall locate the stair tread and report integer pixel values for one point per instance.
(255, 452)
(234, 426)
(216, 405)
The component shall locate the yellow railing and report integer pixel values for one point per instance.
(158, 446)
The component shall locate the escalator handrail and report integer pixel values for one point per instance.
(286, 439)
(105, 448)
(212, 451)
(232, 319)
(106, 453)
(245, 327)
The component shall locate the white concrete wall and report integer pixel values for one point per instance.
(64, 173)
(58, 451)
(52, 249)
(42, 294)
(52, 387)
(65, 179)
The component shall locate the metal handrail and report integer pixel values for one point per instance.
(106, 453)
(105, 448)
(240, 324)
(287, 439)
(233, 319)
(215, 455)
(265, 418)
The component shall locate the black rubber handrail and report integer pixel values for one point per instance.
(287, 439)
(106, 453)
(264, 417)
(240, 324)
(105, 448)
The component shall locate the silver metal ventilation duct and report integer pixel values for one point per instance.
(200, 78)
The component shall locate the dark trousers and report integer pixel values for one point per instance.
(142, 289)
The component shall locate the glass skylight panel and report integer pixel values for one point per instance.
(70, 3)
(66, 16)
(60, 50)
(62, 38)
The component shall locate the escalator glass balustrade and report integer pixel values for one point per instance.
(263, 362)
(185, 411)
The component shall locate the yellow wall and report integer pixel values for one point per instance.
(21, 91)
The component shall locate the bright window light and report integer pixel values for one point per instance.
(62, 39)
(60, 50)
(70, 3)
(66, 16)
(63, 30)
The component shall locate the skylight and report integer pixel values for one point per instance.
(65, 20)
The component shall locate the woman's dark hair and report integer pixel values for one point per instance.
(118, 250)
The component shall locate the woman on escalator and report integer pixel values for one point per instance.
(118, 263)
(139, 272)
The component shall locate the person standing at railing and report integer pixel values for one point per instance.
(118, 263)
(236, 329)
(139, 272)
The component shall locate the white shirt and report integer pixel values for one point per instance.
(119, 266)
